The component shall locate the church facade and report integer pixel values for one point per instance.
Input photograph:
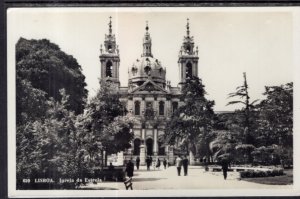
(149, 97)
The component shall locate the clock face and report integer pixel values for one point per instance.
(149, 88)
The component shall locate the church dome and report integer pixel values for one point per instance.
(147, 67)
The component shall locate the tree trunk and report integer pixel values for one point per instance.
(105, 156)
(102, 159)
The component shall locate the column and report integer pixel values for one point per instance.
(142, 106)
(171, 155)
(192, 158)
(155, 144)
(155, 107)
(142, 154)
(168, 108)
(118, 65)
(120, 158)
(143, 135)
(142, 148)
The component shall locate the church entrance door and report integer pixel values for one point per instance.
(149, 144)
(136, 146)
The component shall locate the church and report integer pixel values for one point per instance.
(149, 97)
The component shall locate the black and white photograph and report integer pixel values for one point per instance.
(152, 101)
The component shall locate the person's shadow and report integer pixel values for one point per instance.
(146, 179)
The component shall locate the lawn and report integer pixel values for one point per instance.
(277, 180)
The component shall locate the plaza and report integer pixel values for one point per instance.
(168, 179)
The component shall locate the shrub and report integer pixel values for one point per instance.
(258, 174)
(275, 172)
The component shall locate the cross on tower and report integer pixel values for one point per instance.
(188, 28)
(147, 28)
(110, 30)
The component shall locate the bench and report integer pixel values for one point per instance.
(128, 183)
(216, 169)
(116, 174)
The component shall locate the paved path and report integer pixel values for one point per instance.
(197, 179)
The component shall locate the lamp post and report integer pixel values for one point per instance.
(100, 146)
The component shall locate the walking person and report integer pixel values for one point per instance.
(178, 165)
(137, 161)
(224, 168)
(165, 163)
(154, 164)
(129, 168)
(148, 163)
(185, 163)
(158, 163)
(151, 159)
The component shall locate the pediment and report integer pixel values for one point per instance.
(149, 87)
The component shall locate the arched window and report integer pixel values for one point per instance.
(188, 49)
(161, 108)
(147, 70)
(174, 106)
(137, 108)
(189, 70)
(109, 47)
(108, 71)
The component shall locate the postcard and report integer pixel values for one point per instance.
(153, 101)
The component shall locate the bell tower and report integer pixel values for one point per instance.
(188, 57)
(110, 58)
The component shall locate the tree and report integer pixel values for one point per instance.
(275, 124)
(242, 93)
(51, 148)
(31, 103)
(224, 144)
(192, 122)
(104, 120)
(49, 69)
(248, 142)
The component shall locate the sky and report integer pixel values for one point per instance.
(230, 42)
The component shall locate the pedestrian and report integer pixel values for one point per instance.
(151, 159)
(111, 166)
(148, 163)
(158, 163)
(154, 164)
(185, 163)
(165, 163)
(178, 165)
(110, 174)
(137, 161)
(224, 163)
(129, 168)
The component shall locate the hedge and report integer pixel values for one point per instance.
(257, 174)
